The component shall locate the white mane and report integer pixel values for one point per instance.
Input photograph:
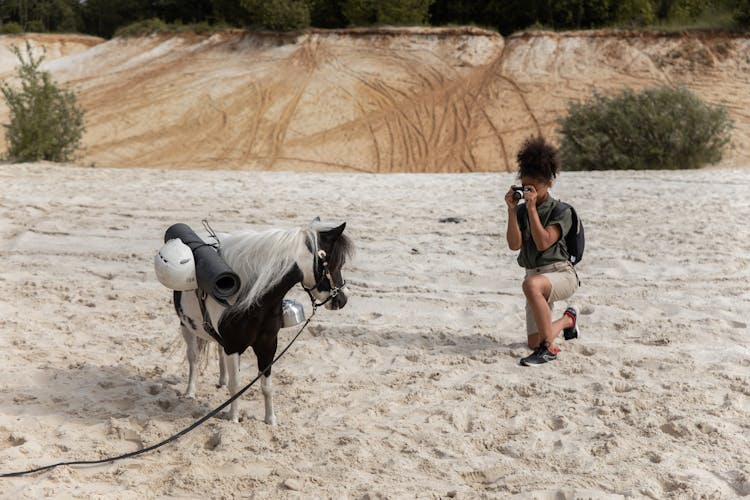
(261, 259)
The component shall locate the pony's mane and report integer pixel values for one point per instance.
(262, 259)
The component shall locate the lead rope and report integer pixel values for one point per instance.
(175, 437)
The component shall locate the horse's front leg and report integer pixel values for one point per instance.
(191, 342)
(265, 351)
(266, 387)
(233, 369)
(222, 368)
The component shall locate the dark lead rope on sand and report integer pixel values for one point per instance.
(175, 437)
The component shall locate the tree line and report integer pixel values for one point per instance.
(104, 17)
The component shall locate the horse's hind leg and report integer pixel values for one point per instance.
(233, 367)
(192, 355)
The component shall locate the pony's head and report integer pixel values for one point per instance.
(313, 254)
(322, 275)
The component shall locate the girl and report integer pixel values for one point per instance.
(537, 232)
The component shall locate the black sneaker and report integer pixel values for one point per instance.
(541, 355)
(572, 332)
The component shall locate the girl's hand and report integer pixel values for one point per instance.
(530, 195)
(509, 199)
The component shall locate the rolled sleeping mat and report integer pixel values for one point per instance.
(213, 274)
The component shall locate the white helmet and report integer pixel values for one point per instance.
(175, 266)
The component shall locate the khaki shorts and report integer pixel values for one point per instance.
(564, 284)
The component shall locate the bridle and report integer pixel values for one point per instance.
(325, 274)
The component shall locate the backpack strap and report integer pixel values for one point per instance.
(559, 208)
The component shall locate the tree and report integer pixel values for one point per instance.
(392, 12)
(327, 14)
(742, 13)
(103, 17)
(635, 12)
(43, 15)
(46, 122)
(230, 12)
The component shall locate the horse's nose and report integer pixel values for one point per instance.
(339, 301)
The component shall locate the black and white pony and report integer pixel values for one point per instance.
(269, 263)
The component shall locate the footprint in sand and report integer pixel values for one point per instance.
(12, 440)
(485, 476)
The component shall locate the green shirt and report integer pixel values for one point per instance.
(529, 257)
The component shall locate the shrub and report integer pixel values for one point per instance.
(46, 122)
(279, 15)
(11, 29)
(658, 128)
(145, 27)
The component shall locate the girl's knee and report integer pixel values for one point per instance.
(531, 286)
(536, 285)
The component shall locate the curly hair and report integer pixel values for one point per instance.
(538, 159)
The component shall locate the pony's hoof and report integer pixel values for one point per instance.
(270, 420)
(189, 395)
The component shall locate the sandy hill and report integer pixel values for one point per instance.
(415, 100)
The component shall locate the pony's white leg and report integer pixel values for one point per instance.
(222, 368)
(233, 367)
(266, 386)
(191, 342)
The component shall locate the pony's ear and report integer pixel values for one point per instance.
(316, 219)
(333, 234)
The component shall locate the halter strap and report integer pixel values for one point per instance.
(326, 274)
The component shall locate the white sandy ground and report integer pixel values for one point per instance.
(414, 389)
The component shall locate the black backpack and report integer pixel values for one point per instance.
(574, 239)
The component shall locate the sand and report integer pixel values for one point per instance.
(412, 390)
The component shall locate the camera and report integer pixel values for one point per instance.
(518, 192)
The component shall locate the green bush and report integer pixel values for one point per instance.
(658, 128)
(11, 29)
(145, 27)
(46, 122)
(279, 15)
